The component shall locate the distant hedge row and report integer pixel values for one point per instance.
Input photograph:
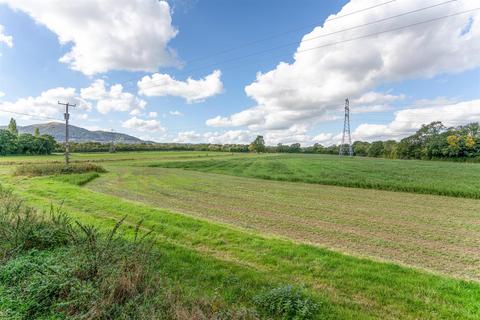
(432, 141)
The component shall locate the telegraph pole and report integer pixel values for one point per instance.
(346, 133)
(112, 143)
(67, 117)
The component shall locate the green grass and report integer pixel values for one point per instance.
(426, 177)
(210, 259)
(109, 157)
(410, 229)
(78, 179)
(52, 268)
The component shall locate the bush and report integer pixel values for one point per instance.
(57, 168)
(286, 302)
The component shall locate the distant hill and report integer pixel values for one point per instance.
(77, 134)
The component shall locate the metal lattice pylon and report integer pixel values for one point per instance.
(346, 146)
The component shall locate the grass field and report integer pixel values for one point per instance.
(385, 225)
(428, 177)
(226, 238)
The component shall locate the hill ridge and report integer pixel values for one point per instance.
(78, 134)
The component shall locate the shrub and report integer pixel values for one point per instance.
(286, 302)
(57, 168)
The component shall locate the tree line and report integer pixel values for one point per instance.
(11, 142)
(432, 141)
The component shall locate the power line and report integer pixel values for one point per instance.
(340, 41)
(280, 34)
(30, 115)
(391, 30)
(248, 44)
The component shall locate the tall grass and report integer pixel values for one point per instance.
(425, 177)
(78, 179)
(56, 168)
(52, 267)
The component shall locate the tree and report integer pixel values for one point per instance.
(360, 148)
(295, 148)
(8, 142)
(12, 127)
(376, 149)
(258, 145)
(36, 132)
(390, 149)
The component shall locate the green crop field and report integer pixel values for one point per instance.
(430, 177)
(224, 235)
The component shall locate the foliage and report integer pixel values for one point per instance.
(57, 168)
(55, 268)
(25, 143)
(432, 141)
(258, 145)
(12, 127)
(8, 142)
(286, 302)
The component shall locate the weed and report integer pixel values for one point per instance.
(287, 303)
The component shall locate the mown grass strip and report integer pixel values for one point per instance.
(353, 287)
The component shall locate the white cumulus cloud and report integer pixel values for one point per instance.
(107, 35)
(113, 99)
(159, 85)
(143, 125)
(408, 121)
(316, 83)
(46, 104)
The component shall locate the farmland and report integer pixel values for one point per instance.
(227, 230)
(429, 177)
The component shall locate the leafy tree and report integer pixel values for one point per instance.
(390, 149)
(360, 148)
(36, 132)
(295, 148)
(470, 142)
(258, 145)
(12, 127)
(376, 149)
(8, 142)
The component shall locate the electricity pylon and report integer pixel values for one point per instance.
(346, 146)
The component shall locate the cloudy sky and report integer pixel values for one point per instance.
(224, 71)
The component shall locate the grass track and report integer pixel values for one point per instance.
(212, 257)
(426, 177)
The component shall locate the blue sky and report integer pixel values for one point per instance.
(126, 64)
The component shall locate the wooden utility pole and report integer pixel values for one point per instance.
(67, 117)
(112, 143)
